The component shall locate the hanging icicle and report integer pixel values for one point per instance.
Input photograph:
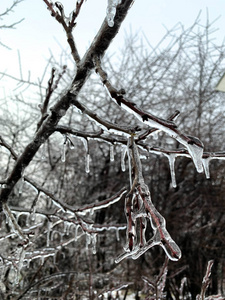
(63, 155)
(172, 157)
(111, 11)
(123, 155)
(205, 162)
(111, 151)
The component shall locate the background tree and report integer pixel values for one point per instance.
(64, 224)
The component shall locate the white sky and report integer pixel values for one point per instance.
(40, 32)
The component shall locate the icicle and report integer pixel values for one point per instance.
(27, 219)
(94, 242)
(12, 222)
(111, 11)
(171, 157)
(87, 158)
(117, 235)
(196, 153)
(123, 155)
(88, 240)
(129, 163)
(48, 233)
(85, 143)
(33, 214)
(76, 232)
(20, 263)
(205, 162)
(63, 156)
(87, 163)
(43, 151)
(111, 152)
(42, 260)
(21, 182)
(67, 228)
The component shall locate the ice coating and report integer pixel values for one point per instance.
(193, 145)
(111, 11)
(139, 209)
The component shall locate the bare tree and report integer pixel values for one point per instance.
(3, 14)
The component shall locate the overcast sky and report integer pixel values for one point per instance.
(39, 32)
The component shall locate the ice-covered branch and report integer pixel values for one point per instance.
(102, 204)
(98, 47)
(148, 132)
(193, 145)
(69, 130)
(104, 124)
(158, 284)
(205, 284)
(52, 86)
(61, 18)
(75, 13)
(14, 226)
(139, 206)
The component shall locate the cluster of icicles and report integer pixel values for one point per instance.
(195, 152)
(23, 256)
(65, 227)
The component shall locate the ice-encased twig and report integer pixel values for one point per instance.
(205, 281)
(13, 223)
(193, 145)
(138, 205)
